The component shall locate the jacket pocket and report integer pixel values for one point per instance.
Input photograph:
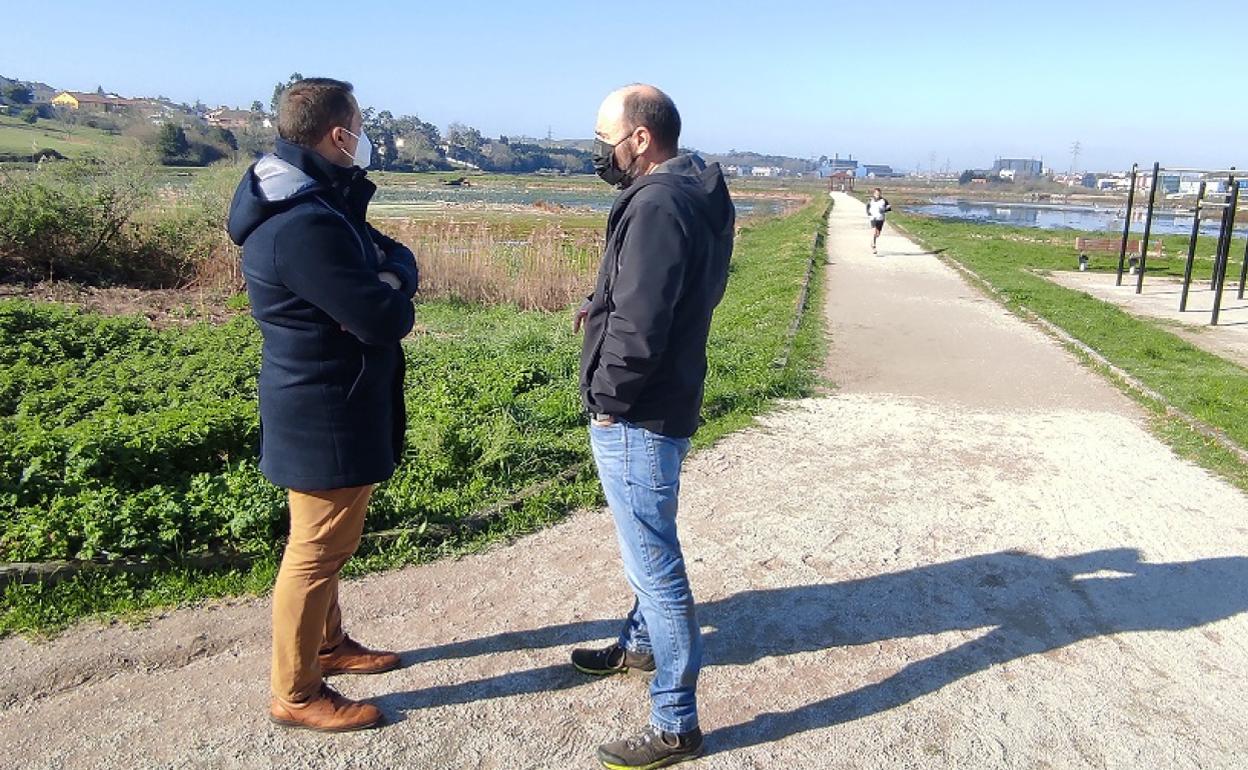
(359, 378)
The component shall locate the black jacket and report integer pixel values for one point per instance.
(331, 372)
(664, 269)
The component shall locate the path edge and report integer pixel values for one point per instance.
(1103, 365)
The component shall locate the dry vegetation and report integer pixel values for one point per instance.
(543, 268)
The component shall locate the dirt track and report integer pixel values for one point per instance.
(971, 555)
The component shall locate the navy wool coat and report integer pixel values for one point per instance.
(331, 371)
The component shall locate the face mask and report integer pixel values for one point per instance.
(607, 168)
(363, 150)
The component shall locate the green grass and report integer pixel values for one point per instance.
(120, 440)
(19, 138)
(1012, 260)
(750, 326)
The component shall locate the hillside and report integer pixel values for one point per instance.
(19, 139)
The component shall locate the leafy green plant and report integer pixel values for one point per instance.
(118, 440)
(106, 221)
(69, 219)
(185, 240)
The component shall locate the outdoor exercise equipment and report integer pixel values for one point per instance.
(1226, 231)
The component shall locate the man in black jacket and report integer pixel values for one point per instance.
(643, 365)
(332, 297)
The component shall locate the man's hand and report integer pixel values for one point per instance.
(578, 318)
(390, 279)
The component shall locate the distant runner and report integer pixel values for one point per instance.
(877, 207)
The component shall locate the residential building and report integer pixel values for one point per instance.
(1166, 183)
(1220, 187)
(223, 117)
(1117, 182)
(76, 100)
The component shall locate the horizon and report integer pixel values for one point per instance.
(1027, 88)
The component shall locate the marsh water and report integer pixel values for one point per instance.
(1094, 217)
(428, 197)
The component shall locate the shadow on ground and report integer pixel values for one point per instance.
(1032, 604)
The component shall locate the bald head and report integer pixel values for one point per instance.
(640, 106)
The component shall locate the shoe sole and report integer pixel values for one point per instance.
(313, 728)
(667, 762)
(360, 671)
(610, 671)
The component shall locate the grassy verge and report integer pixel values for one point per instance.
(19, 138)
(118, 440)
(1012, 260)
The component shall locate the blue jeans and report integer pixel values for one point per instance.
(640, 473)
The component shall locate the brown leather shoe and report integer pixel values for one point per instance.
(328, 712)
(351, 657)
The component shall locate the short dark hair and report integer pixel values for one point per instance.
(311, 108)
(656, 111)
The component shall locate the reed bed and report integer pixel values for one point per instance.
(547, 267)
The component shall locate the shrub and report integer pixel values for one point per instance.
(186, 240)
(101, 222)
(70, 219)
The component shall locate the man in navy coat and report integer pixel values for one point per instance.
(333, 299)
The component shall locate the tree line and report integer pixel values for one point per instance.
(407, 143)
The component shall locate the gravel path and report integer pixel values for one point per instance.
(971, 555)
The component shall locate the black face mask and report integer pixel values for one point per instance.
(607, 168)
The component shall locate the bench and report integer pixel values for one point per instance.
(1112, 245)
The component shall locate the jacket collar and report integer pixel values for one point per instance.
(351, 184)
(671, 172)
(686, 164)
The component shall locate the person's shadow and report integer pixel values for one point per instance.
(1032, 604)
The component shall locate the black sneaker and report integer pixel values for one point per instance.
(652, 748)
(611, 660)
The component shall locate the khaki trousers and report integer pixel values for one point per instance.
(325, 529)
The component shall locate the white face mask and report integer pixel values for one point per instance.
(363, 150)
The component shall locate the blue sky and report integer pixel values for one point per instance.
(890, 81)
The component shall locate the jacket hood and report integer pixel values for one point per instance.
(272, 183)
(703, 183)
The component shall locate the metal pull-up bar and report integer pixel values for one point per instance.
(1243, 273)
(1126, 225)
(1148, 229)
(1219, 265)
(1191, 248)
(1226, 231)
(1204, 172)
